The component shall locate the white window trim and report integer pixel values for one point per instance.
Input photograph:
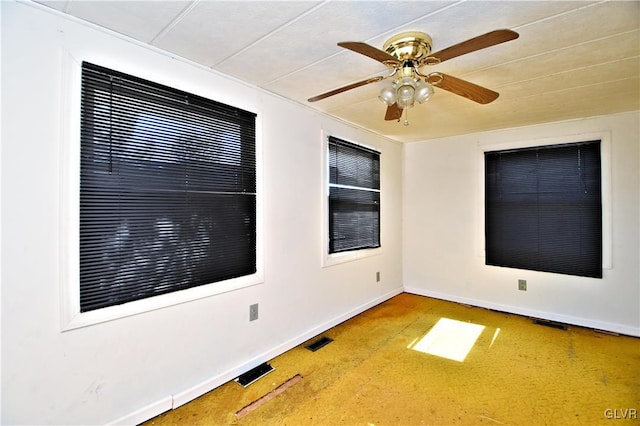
(605, 159)
(69, 225)
(331, 259)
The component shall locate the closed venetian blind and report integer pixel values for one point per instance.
(354, 196)
(167, 190)
(544, 209)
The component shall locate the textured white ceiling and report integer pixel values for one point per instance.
(573, 58)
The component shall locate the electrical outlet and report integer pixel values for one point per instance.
(522, 285)
(253, 312)
(378, 276)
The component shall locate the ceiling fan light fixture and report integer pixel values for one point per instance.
(424, 91)
(405, 103)
(388, 95)
(406, 89)
(404, 55)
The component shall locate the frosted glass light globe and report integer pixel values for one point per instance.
(388, 95)
(424, 91)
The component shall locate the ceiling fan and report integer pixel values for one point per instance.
(404, 54)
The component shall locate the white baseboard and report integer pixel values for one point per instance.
(212, 383)
(190, 394)
(145, 413)
(567, 319)
(182, 398)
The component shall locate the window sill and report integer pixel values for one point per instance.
(349, 256)
(73, 319)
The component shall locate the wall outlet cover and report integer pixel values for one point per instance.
(253, 312)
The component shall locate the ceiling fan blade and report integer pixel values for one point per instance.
(345, 88)
(370, 51)
(467, 89)
(394, 112)
(481, 42)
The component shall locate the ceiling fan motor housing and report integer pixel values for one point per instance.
(410, 45)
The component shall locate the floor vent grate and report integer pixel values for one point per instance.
(551, 324)
(320, 343)
(254, 374)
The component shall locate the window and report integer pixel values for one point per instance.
(354, 197)
(167, 190)
(543, 209)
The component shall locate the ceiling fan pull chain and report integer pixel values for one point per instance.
(406, 116)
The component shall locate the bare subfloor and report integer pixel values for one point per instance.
(419, 361)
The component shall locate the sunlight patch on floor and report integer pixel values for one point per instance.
(449, 339)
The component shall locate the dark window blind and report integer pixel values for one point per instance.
(543, 209)
(354, 196)
(167, 190)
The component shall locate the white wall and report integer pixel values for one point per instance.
(443, 229)
(132, 368)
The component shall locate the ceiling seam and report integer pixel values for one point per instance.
(513, 61)
(570, 71)
(175, 21)
(577, 87)
(326, 58)
(566, 12)
(427, 15)
(269, 34)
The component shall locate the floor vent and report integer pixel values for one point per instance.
(320, 343)
(551, 324)
(254, 374)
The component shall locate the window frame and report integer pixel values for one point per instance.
(331, 259)
(606, 189)
(69, 228)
